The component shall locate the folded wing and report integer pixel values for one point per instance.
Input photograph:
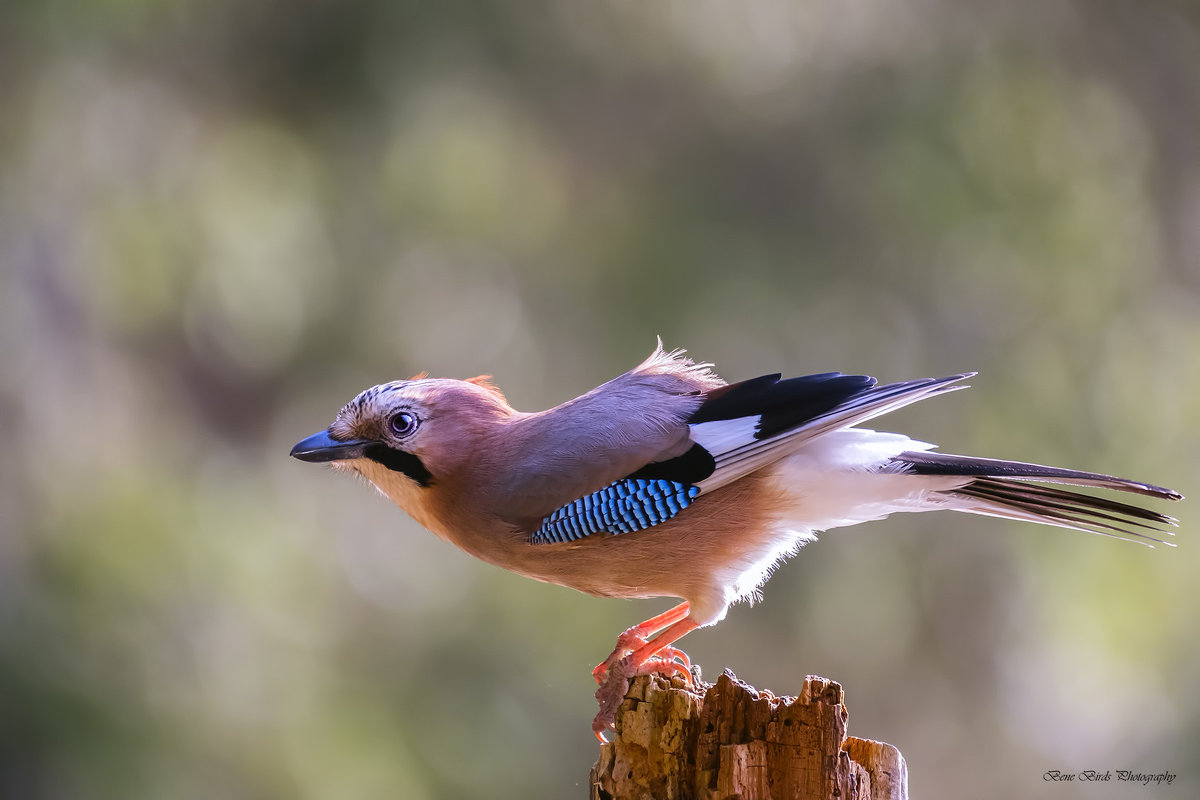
(737, 429)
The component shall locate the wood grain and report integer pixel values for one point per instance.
(731, 741)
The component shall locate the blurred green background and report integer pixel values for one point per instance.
(220, 220)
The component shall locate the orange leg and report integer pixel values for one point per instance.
(636, 637)
(662, 643)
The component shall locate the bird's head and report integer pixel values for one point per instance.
(405, 436)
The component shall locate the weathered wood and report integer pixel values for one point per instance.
(889, 773)
(733, 741)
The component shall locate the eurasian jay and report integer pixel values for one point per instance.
(667, 481)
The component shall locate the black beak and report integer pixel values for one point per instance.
(323, 447)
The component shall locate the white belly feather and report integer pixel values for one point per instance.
(842, 478)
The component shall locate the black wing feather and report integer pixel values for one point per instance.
(781, 404)
(692, 467)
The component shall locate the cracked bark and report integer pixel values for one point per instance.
(734, 741)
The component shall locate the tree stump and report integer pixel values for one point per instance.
(734, 742)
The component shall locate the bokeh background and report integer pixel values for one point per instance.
(219, 220)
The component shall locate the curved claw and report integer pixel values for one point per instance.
(669, 653)
(662, 665)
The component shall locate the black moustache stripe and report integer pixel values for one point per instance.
(400, 461)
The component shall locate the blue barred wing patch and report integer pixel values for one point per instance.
(629, 505)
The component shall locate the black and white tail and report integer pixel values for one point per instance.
(1003, 489)
(805, 429)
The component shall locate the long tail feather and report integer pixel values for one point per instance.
(997, 492)
(947, 464)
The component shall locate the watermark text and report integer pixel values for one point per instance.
(1165, 778)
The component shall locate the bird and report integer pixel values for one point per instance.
(666, 481)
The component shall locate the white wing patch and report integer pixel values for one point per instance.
(723, 435)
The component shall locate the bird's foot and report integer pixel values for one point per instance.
(637, 654)
(668, 659)
(637, 639)
(618, 676)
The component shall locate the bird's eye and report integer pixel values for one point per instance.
(403, 423)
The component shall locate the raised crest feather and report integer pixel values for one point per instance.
(676, 362)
